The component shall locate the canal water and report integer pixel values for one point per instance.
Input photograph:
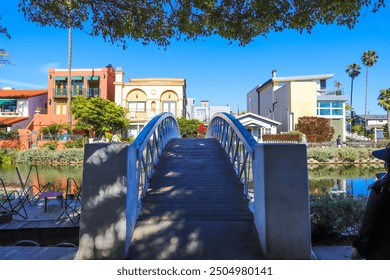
(56, 175)
(353, 180)
(322, 179)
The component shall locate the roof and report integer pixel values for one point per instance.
(12, 120)
(372, 117)
(250, 119)
(295, 79)
(157, 82)
(21, 93)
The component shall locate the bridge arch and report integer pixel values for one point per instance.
(116, 177)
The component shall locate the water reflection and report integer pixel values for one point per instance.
(57, 175)
(353, 180)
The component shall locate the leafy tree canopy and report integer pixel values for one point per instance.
(98, 115)
(4, 31)
(188, 128)
(160, 21)
(316, 129)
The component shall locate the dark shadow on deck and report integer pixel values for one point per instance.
(195, 208)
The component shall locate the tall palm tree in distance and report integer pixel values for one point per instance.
(353, 71)
(69, 91)
(384, 102)
(369, 58)
(4, 57)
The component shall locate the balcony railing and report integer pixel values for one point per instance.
(331, 92)
(86, 92)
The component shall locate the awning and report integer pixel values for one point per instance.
(60, 78)
(2, 101)
(93, 78)
(77, 78)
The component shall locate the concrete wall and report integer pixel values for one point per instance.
(109, 201)
(303, 99)
(281, 208)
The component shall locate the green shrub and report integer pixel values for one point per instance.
(321, 154)
(76, 143)
(8, 156)
(336, 215)
(51, 145)
(348, 154)
(46, 156)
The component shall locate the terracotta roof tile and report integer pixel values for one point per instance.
(21, 93)
(11, 120)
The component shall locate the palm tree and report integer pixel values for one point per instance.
(384, 102)
(69, 93)
(4, 57)
(369, 58)
(353, 71)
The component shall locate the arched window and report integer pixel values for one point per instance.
(169, 102)
(136, 101)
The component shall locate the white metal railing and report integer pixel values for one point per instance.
(150, 144)
(239, 146)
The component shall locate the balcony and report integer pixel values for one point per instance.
(92, 92)
(330, 92)
(88, 93)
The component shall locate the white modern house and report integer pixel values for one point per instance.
(286, 99)
(258, 125)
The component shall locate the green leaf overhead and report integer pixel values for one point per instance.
(159, 22)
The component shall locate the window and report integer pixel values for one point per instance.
(323, 84)
(169, 106)
(61, 108)
(77, 88)
(327, 108)
(8, 105)
(60, 90)
(137, 106)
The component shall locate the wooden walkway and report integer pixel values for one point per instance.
(195, 208)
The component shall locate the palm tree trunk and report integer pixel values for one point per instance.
(69, 95)
(365, 106)
(388, 122)
(350, 111)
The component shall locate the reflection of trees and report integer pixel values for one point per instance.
(321, 186)
(343, 171)
(323, 178)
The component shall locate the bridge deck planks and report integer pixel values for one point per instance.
(195, 207)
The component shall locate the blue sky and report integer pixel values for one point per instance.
(213, 69)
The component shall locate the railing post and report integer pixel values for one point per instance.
(281, 205)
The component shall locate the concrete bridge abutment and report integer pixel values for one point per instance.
(282, 205)
(110, 200)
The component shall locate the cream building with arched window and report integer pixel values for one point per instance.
(145, 98)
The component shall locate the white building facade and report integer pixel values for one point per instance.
(286, 99)
(147, 97)
(205, 111)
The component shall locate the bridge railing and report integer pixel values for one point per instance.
(239, 145)
(150, 144)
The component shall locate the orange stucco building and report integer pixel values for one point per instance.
(92, 82)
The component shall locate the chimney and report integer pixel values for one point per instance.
(274, 73)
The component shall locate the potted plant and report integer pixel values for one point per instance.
(38, 110)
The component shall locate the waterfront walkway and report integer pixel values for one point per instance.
(195, 208)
